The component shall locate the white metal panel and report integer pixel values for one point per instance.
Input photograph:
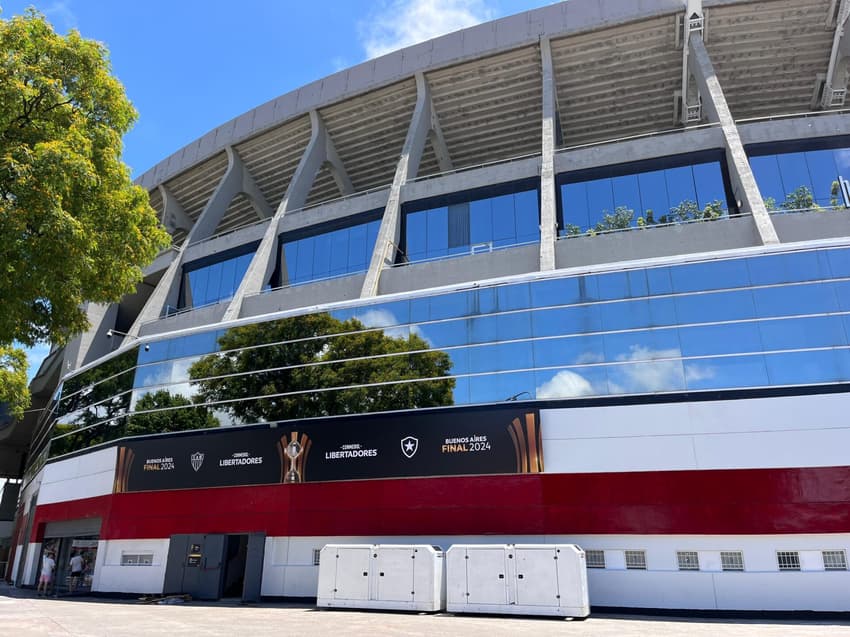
(83, 476)
(488, 572)
(110, 575)
(394, 567)
(726, 434)
(537, 576)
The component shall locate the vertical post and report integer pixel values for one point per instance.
(548, 200)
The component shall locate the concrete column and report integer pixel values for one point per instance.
(744, 185)
(320, 149)
(389, 234)
(236, 180)
(548, 200)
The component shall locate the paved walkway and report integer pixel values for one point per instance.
(22, 614)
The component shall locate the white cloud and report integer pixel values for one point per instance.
(400, 23)
(61, 15)
(653, 370)
(386, 319)
(565, 384)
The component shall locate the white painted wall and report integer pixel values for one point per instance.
(33, 549)
(110, 576)
(789, 431)
(83, 476)
(288, 569)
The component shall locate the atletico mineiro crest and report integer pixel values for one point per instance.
(197, 459)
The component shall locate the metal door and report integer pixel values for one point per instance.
(394, 574)
(254, 567)
(177, 551)
(191, 564)
(537, 576)
(352, 573)
(210, 572)
(487, 576)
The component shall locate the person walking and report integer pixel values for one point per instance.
(48, 565)
(77, 564)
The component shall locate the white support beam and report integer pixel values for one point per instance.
(548, 200)
(835, 84)
(173, 216)
(265, 258)
(438, 142)
(744, 185)
(389, 234)
(250, 189)
(236, 180)
(692, 22)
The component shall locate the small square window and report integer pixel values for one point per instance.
(788, 560)
(137, 559)
(834, 560)
(732, 560)
(688, 560)
(636, 560)
(595, 558)
(317, 554)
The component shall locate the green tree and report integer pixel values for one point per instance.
(13, 381)
(311, 360)
(800, 199)
(169, 412)
(73, 227)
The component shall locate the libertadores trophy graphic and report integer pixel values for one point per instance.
(293, 450)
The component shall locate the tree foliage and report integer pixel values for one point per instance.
(73, 227)
(167, 412)
(622, 217)
(13, 381)
(356, 356)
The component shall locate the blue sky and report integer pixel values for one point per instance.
(190, 65)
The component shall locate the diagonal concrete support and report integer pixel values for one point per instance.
(173, 216)
(835, 84)
(744, 185)
(548, 200)
(438, 142)
(389, 234)
(250, 189)
(319, 151)
(236, 180)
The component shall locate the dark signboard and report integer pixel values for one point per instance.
(386, 446)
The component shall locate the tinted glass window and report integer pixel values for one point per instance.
(670, 195)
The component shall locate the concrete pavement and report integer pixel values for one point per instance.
(22, 614)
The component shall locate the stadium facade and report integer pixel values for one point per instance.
(579, 275)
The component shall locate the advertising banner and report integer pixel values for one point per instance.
(476, 442)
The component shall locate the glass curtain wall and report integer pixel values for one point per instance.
(642, 195)
(214, 279)
(803, 180)
(329, 254)
(760, 321)
(466, 223)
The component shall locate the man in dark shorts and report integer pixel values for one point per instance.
(77, 564)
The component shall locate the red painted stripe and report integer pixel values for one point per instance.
(740, 501)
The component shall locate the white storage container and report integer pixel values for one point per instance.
(389, 576)
(521, 579)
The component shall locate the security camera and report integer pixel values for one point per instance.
(108, 333)
(147, 347)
